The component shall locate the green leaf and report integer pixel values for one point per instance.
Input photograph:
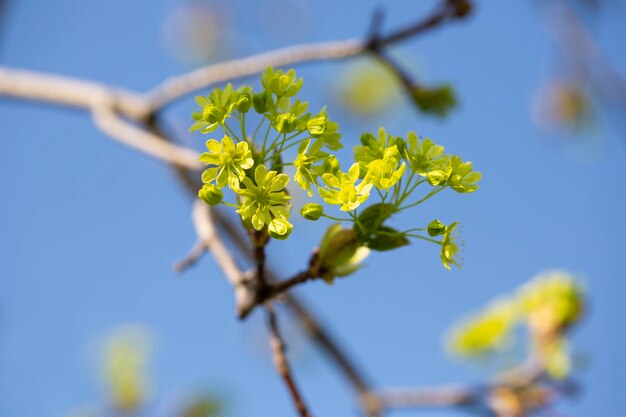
(371, 219)
(387, 238)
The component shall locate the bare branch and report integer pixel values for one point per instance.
(281, 363)
(299, 278)
(141, 139)
(72, 92)
(203, 222)
(444, 396)
(180, 86)
(327, 342)
(306, 318)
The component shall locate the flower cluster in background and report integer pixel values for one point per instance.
(546, 307)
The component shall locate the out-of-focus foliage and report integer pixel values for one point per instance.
(202, 406)
(562, 106)
(367, 88)
(487, 331)
(199, 32)
(438, 101)
(125, 360)
(127, 355)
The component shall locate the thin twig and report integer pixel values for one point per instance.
(283, 286)
(192, 257)
(281, 363)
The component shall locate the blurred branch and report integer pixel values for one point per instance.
(205, 228)
(143, 140)
(444, 396)
(342, 360)
(3, 12)
(583, 56)
(306, 318)
(180, 86)
(71, 92)
(192, 257)
(281, 363)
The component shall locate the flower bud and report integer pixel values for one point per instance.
(436, 228)
(244, 103)
(339, 254)
(286, 122)
(280, 229)
(312, 211)
(210, 194)
(331, 165)
(259, 101)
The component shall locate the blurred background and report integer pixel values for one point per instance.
(89, 230)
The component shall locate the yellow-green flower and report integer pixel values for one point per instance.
(283, 84)
(265, 203)
(424, 156)
(342, 189)
(216, 108)
(316, 125)
(461, 178)
(319, 126)
(485, 332)
(231, 162)
(450, 247)
(308, 154)
(384, 173)
(373, 148)
(286, 122)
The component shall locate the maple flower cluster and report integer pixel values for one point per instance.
(290, 143)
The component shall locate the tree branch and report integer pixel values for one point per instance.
(141, 139)
(70, 92)
(444, 396)
(182, 85)
(282, 286)
(203, 223)
(281, 363)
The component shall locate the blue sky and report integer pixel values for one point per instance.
(90, 230)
